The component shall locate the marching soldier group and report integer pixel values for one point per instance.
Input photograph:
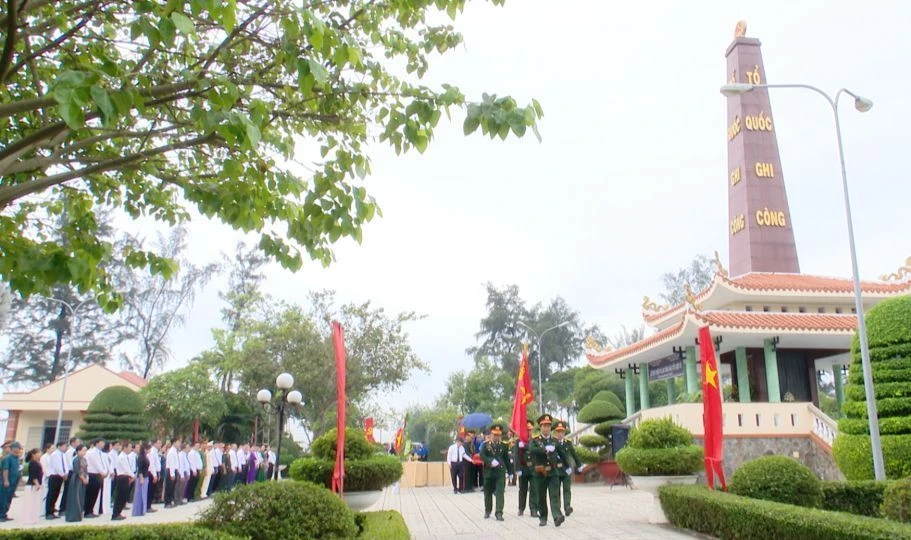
(544, 468)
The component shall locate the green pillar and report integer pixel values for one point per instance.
(692, 379)
(630, 398)
(839, 388)
(771, 372)
(671, 390)
(643, 385)
(743, 376)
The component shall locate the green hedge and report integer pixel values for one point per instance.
(888, 324)
(603, 428)
(659, 433)
(592, 441)
(777, 478)
(385, 525)
(115, 413)
(897, 500)
(599, 411)
(175, 531)
(863, 498)
(727, 516)
(370, 474)
(280, 511)
(855, 457)
(589, 457)
(661, 461)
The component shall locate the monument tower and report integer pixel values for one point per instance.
(761, 238)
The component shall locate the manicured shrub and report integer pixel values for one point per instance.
(681, 461)
(604, 429)
(660, 448)
(356, 445)
(592, 441)
(777, 478)
(897, 501)
(115, 413)
(889, 337)
(610, 397)
(726, 516)
(599, 411)
(174, 531)
(862, 498)
(659, 433)
(589, 457)
(281, 511)
(370, 474)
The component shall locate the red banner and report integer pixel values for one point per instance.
(462, 431)
(338, 475)
(524, 396)
(711, 402)
(399, 440)
(368, 430)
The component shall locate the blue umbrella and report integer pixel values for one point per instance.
(476, 420)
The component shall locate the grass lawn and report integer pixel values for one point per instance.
(385, 525)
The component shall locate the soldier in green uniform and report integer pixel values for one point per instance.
(528, 488)
(548, 459)
(495, 455)
(573, 464)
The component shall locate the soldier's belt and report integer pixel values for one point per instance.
(542, 469)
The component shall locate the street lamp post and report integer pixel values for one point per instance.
(69, 353)
(862, 104)
(283, 382)
(541, 357)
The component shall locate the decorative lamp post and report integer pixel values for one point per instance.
(862, 104)
(283, 383)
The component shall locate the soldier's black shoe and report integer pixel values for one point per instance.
(534, 514)
(542, 524)
(559, 521)
(569, 511)
(499, 517)
(521, 512)
(486, 515)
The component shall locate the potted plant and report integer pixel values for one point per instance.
(367, 471)
(604, 411)
(658, 453)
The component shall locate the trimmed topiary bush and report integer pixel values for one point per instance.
(610, 397)
(592, 441)
(604, 428)
(897, 501)
(589, 457)
(727, 516)
(889, 336)
(599, 411)
(370, 474)
(862, 498)
(660, 448)
(777, 478)
(115, 413)
(280, 511)
(356, 445)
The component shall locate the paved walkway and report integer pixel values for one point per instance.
(436, 513)
(183, 513)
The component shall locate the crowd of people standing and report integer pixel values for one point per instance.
(78, 481)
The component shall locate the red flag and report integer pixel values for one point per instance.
(711, 402)
(368, 430)
(399, 440)
(338, 475)
(524, 396)
(462, 431)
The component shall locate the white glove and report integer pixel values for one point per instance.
(494, 463)
(581, 469)
(519, 474)
(510, 478)
(569, 470)
(549, 448)
(521, 444)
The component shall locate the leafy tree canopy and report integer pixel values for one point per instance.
(698, 275)
(176, 398)
(163, 109)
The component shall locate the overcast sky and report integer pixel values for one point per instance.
(630, 179)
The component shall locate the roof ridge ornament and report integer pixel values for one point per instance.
(691, 298)
(591, 344)
(719, 267)
(653, 307)
(900, 274)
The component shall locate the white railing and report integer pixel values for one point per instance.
(749, 419)
(824, 427)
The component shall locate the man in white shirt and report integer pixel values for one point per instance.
(56, 470)
(180, 489)
(209, 477)
(235, 467)
(97, 469)
(172, 465)
(124, 478)
(242, 457)
(106, 495)
(155, 473)
(219, 479)
(270, 463)
(195, 469)
(456, 456)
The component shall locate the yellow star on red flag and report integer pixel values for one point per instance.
(710, 376)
